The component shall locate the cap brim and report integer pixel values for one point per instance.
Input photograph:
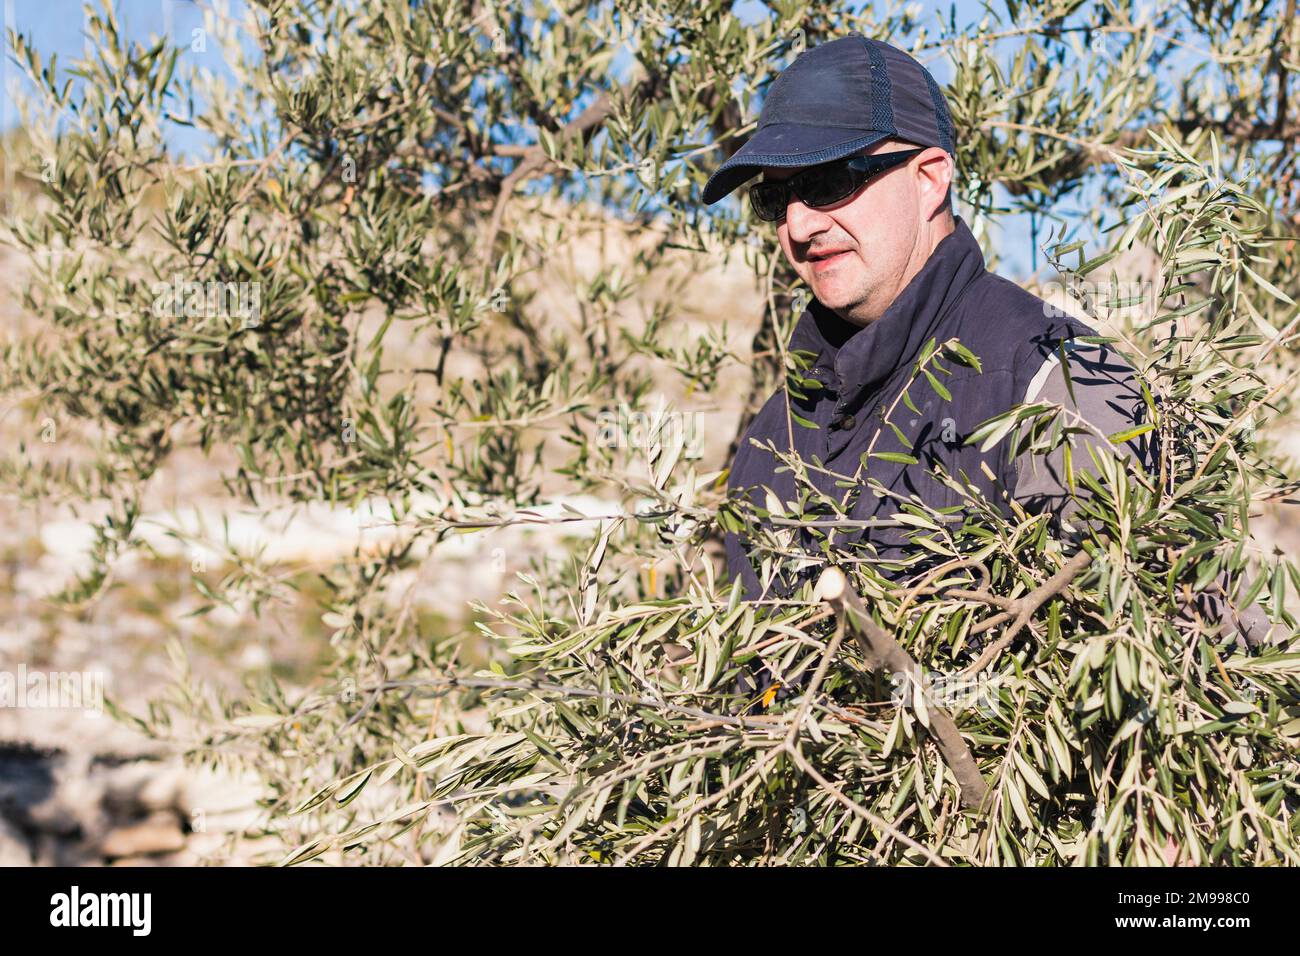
(786, 144)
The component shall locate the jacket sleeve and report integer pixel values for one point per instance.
(1102, 392)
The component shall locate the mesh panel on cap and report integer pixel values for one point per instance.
(941, 115)
(882, 110)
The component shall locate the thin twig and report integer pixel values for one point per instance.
(1027, 606)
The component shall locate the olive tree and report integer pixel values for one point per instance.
(390, 179)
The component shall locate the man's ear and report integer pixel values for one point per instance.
(935, 171)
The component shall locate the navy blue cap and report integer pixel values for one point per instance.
(835, 100)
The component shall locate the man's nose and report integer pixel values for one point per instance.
(803, 222)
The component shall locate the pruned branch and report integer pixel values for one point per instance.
(882, 651)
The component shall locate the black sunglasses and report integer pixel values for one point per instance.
(824, 184)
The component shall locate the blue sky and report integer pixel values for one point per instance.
(55, 26)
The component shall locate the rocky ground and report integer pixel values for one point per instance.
(76, 786)
(87, 806)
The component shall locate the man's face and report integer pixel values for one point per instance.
(858, 254)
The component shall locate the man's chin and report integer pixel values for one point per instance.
(837, 297)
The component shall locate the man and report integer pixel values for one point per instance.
(855, 148)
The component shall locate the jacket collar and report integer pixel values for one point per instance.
(864, 358)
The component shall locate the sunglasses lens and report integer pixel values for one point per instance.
(768, 200)
(827, 186)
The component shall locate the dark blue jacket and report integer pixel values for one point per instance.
(861, 372)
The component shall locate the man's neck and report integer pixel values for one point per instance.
(928, 237)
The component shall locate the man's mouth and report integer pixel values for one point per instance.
(825, 259)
